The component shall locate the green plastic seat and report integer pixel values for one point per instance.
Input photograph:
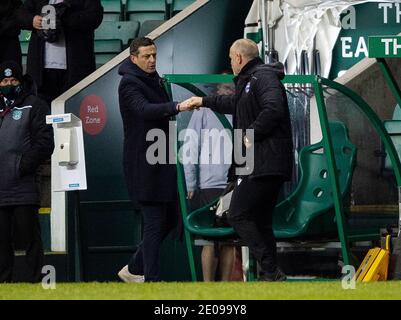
(112, 10)
(122, 31)
(103, 58)
(105, 50)
(148, 26)
(24, 38)
(108, 46)
(113, 37)
(200, 223)
(312, 199)
(142, 10)
(393, 128)
(179, 5)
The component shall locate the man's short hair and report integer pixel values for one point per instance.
(246, 48)
(139, 42)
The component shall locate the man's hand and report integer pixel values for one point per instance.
(37, 22)
(190, 104)
(185, 106)
(247, 142)
(190, 195)
(195, 102)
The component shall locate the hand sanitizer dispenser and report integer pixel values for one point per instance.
(67, 147)
(68, 160)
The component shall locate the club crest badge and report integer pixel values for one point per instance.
(17, 114)
(8, 73)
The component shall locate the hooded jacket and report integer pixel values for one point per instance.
(144, 106)
(79, 23)
(25, 142)
(260, 103)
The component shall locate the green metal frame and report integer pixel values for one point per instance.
(395, 90)
(317, 84)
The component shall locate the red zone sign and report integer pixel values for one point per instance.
(93, 114)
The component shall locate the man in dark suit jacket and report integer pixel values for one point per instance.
(59, 63)
(145, 106)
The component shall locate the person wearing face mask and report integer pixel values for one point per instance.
(25, 143)
(10, 48)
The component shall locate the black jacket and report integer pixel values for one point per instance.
(25, 142)
(260, 103)
(8, 24)
(145, 105)
(79, 23)
(10, 48)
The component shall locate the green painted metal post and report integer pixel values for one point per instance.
(187, 234)
(332, 167)
(183, 203)
(395, 89)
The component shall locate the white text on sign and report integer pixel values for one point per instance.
(391, 44)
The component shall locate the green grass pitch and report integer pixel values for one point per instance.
(304, 290)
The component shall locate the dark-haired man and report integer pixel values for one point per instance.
(25, 143)
(146, 106)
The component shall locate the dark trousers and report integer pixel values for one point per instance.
(53, 84)
(10, 49)
(202, 197)
(158, 220)
(24, 221)
(251, 213)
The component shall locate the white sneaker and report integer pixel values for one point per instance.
(127, 276)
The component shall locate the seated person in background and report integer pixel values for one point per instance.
(206, 179)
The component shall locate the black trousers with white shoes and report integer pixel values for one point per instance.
(251, 216)
(159, 220)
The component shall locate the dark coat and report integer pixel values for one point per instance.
(260, 103)
(145, 105)
(8, 24)
(79, 23)
(25, 142)
(10, 48)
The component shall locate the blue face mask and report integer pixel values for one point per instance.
(11, 92)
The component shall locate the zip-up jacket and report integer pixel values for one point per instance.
(260, 103)
(26, 141)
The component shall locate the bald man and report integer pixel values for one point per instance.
(259, 104)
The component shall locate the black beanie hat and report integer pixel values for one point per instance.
(10, 69)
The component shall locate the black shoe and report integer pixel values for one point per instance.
(278, 275)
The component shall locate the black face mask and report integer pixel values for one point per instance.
(11, 92)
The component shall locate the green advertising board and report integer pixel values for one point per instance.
(385, 47)
(358, 23)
